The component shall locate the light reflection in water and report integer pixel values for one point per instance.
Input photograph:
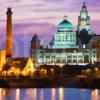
(41, 94)
(17, 94)
(0, 94)
(49, 94)
(53, 94)
(61, 94)
(95, 95)
(31, 94)
(3, 92)
(34, 94)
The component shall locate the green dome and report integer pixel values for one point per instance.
(65, 25)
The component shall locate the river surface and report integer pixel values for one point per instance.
(49, 94)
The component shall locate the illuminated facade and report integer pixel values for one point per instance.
(96, 47)
(2, 58)
(84, 20)
(65, 37)
(19, 64)
(67, 46)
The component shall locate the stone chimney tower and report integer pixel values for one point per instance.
(9, 33)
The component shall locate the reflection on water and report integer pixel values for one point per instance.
(53, 93)
(41, 94)
(61, 94)
(0, 94)
(95, 95)
(49, 94)
(34, 93)
(17, 94)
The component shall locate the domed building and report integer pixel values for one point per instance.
(65, 25)
(62, 49)
(65, 37)
(68, 46)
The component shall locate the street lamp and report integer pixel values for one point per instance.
(96, 69)
(61, 73)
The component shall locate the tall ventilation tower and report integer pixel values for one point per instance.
(9, 33)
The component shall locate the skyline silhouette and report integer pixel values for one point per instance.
(42, 17)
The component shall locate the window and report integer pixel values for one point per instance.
(74, 60)
(74, 56)
(69, 60)
(69, 57)
(66, 37)
(94, 51)
(94, 56)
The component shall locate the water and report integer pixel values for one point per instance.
(49, 94)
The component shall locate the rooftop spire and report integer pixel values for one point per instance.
(65, 17)
(84, 5)
(84, 8)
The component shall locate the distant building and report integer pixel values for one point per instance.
(68, 46)
(7, 61)
(18, 64)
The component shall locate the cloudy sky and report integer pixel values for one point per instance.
(42, 17)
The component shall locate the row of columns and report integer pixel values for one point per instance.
(62, 58)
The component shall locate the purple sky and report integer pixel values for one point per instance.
(42, 17)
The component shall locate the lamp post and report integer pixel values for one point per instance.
(61, 73)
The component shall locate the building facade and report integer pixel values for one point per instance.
(67, 46)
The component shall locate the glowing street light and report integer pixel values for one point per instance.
(61, 73)
(96, 69)
(52, 72)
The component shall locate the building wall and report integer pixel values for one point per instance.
(96, 47)
(65, 39)
(2, 58)
(63, 58)
(94, 57)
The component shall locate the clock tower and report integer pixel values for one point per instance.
(84, 20)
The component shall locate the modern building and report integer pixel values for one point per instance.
(67, 46)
